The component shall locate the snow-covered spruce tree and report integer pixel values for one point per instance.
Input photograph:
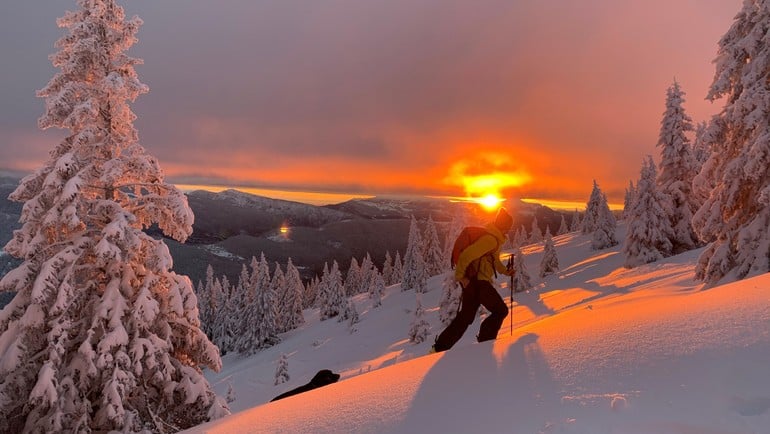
(604, 234)
(593, 206)
(521, 237)
(310, 296)
(577, 223)
(376, 290)
(387, 269)
(282, 307)
(282, 370)
(295, 290)
(353, 278)
(221, 328)
(101, 334)
(349, 313)
(708, 175)
(365, 273)
(204, 310)
(550, 262)
(398, 268)
(414, 263)
(263, 315)
(420, 329)
(322, 291)
(521, 279)
(230, 393)
(628, 201)
(737, 213)
(432, 249)
(649, 233)
(257, 326)
(535, 234)
(563, 229)
(677, 170)
(700, 146)
(450, 298)
(334, 301)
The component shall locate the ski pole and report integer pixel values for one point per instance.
(510, 268)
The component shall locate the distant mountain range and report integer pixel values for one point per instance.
(230, 227)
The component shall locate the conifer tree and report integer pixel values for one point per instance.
(563, 229)
(628, 202)
(736, 216)
(649, 233)
(295, 290)
(263, 313)
(349, 312)
(398, 268)
(353, 278)
(376, 290)
(367, 268)
(230, 393)
(521, 279)
(593, 207)
(535, 234)
(282, 370)
(420, 328)
(521, 237)
(700, 146)
(604, 234)
(323, 295)
(414, 262)
(432, 249)
(310, 297)
(387, 269)
(706, 180)
(577, 223)
(101, 334)
(227, 288)
(550, 262)
(450, 298)
(283, 300)
(334, 300)
(204, 309)
(221, 329)
(677, 170)
(257, 324)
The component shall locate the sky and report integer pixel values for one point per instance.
(594, 348)
(526, 99)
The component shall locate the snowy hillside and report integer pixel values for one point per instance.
(596, 348)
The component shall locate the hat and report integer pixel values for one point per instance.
(503, 220)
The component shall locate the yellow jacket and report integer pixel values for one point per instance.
(481, 248)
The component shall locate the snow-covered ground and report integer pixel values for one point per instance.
(595, 348)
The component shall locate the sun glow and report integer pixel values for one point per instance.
(489, 202)
(486, 177)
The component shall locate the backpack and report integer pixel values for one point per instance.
(468, 236)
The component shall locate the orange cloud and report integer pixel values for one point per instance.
(486, 173)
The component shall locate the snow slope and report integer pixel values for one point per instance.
(596, 348)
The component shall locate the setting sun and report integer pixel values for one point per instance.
(487, 176)
(489, 202)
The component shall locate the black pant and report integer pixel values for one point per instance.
(478, 292)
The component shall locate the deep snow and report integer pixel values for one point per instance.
(596, 348)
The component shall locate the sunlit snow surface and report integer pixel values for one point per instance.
(596, 348)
